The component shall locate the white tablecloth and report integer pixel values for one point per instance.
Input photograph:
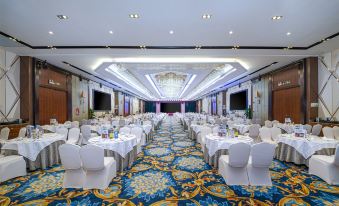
(307, 146)
(242, 128)
(30, 148)
(123, 145)
(215, 143)
(146, 127)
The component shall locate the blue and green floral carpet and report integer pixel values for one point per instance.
(171, 171)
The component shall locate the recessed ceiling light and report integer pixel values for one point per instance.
(277, 17)
(134, 16)
(206, 16)
(230, 32)
(288, 33)
(171, 32)
(111, 32)
(62, 17)
(51, 32)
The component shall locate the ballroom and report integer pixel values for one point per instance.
(169, 103)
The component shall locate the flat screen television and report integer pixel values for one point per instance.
(101, 101)
(170, 107)
(238, 100)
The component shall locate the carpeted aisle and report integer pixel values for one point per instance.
(171, 171)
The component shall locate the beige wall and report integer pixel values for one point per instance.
(9, 86)
(328, 84)
(79, 99)
(260, 100)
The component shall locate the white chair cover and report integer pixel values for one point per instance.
(232, 167)
(202, 135)
(254, 131)
(99, 170)
(336, 132)
(316, 129)
(275, 132)
(4, 134)
(70, 159)
(73, 136)
(215, 129)
(328, 132)
(308, 128)
(85, 134)
(75, 124)
(125, 130)
(259, 163)
(137, 131)
(265, 134)
(12, 166)
(326, 167)
(275, 123)
(268, 124)
(22, 132)
(62, 131)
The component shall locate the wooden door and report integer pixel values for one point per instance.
(287, 103)
(52, 104)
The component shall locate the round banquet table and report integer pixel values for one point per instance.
(215, 146)
(299, 150)
(38, 153)
(123, 149)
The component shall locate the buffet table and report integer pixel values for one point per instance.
(38, 153)
(215, 146)
(123, 149)
(299, 150)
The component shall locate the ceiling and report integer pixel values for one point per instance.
(81, 40)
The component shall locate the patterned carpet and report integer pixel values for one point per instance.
(171, 171)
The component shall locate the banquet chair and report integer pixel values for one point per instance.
(137, 131)
(254, 131)
(326, 167)
(74, 175)
(268, 124)
(308, 128)
(259, 162)
(75, 124)
(125, 130)
(233, 167)
(316, 129)
(12, 166)
(275, 132)
(67, 122)
(265, 134)
(63, 131)
(84, 122)
(336, 132)
(147, 122)
(50, 128)
(203, 132)
(215, 129)
(4, 134)
(328, 132)
(22, 132)
(99, 170)
(73, 136)
(275, 123)
(115, 123)
(122, 122)
(85, 134)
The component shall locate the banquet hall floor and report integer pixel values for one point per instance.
(171, 171)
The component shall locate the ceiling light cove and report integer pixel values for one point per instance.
(180, 60)
(210, 80)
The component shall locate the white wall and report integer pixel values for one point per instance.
(9, 86)
(234, 89)
(329, 98)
